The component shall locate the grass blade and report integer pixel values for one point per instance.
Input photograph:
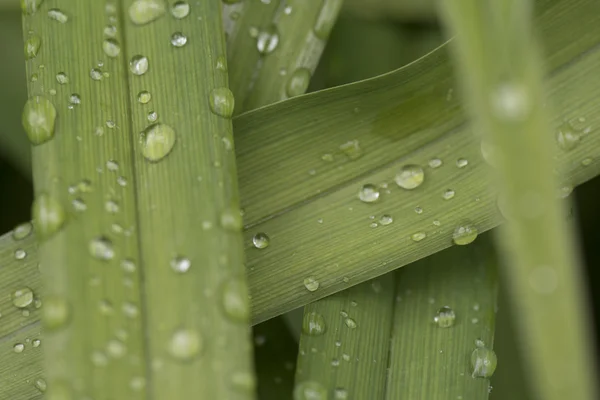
(499, 59)
(276, 48)
(345, 343)
(426, 360)
(130, 204)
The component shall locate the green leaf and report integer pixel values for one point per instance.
(140, 298)
(497, 55)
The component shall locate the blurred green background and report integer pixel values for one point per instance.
(371, 37)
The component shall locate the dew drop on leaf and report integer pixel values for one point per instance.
(20, 254)
(32, 46)
(483, 361)
(351, 149)
(144, 97)
(138, 65)
(350, 323)
(22, 297)
(48, 215)
(101, 248)
(243, 382)
(567, 138)
(369, 193)
(464, 234)
(180, 264)
(178, 39)
(313, 324)
(158, 141)
(298, 82)
(111, 47)
(260, 240)
(435, 163)
(185, 344)
(39, 116)
(180, 9)
(22, 231)
(18, 348)
(417, 237)
(30, 6)
(311, 283)
(462, 162)
(41, 385)
(267, 40)
(310, 390)
(386, 219)
(57, 15)
(142, 12)
(445, 317)
(410, 177)
(222, 102)
(448, 194)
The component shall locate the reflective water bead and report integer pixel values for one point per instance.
(180, 264)
(180, 9)
(369, 193)
(32, 46)
(483, 361)
(445, 317)
(386, 219)
(222, 102)
(464, 234)
(57, 15)
(185, 344)
(18, 348)
(30, 6)
(158, 141)
(36, 342)
(138, 65)
(178, 39)
(22, 231)
(350, 323)
(101, 248)
(448, 194)
(267, 40)
(313, 324)
(260, 240)
(340, 394)
(48, 215)
(144, 97)
(142, 12)
(410, 177)
(435, 163)
(20, 254)
(111, 47)
(310, 390)
(75, 99)
(417, 237)
(41, 385)
(566, 138)
(39, 116)
(311, 283)
(462, 162)
(96, 74)
(351, 149)
(510, 102)
(22, 298)
(298, 82)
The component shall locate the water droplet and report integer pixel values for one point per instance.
(410, 177)
(311, 283)
(145, 11)
(435, 163)
(115, 348)
(22, 231)
(368, 193)
(222, 63)
(101, 248)
(462, 162)
(346, 357)
(386, 219)
(185, 344)
(41, 385)
(180, 9)
(448, 194)
(111, 47)
(111, 207)
(566, 138)
(350, 323)
(48, 215)
(586, 161)
(20, 254)
(510, 102)
(22, 298)
(222, 102)
(138, 65)
(96, 74)
(32, 46)
(57, 15)
(144, 97)
(178, 39)
(56, 312)
(310, 390)
(313, 324)
(351, 149)
(483, 361)
(234, 297)
(267, 41)
(39, 116)
(181, 264)
(418, 210)
(159, 140)
(340, 394)
(36, 342)
(30, 6)
(445, 317)
(110, 31)
(298, 82)
(152, 116)
(74, 99)
(18, 348)
(417, 237)
(464, 234)
(260, 240)
(335, 362)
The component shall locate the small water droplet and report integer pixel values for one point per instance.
(445, 317)
(142, 12)
(57, 15)
(462, 162)
(417, 237)
(36, 342)
(350, 323)
(18, 348)
(464, 234)
(22, 231)
(267, 40)
(144, 97)
(311, 283)
(96, 74)
(243, 382)
(234, 297)
(222, 102)
(41, 385)
(346, 357)
(101, 248)
(152, 116)
(351, 149)
(369, 193)
(483, 361)
(185, 344)
(178, 39)
(567, 138)
(310, 390)
(158, 141)
(180, 9)
(111, 206)
(335, 362)
(418, 210)
(222, 63)
(110, 31)
(39, 116)
(30, 6)
(56, 312)
(587, 161)
(111, 47)
(313, 324)
(32, 46)
(74, 99)
(448, 194)
(410, 177)
(298, 82)
(138, 65)
(20, 254)
(48, 215)
(435, 163)
(22, 298)
(181, 264)
(261, 240)
(386, 219)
